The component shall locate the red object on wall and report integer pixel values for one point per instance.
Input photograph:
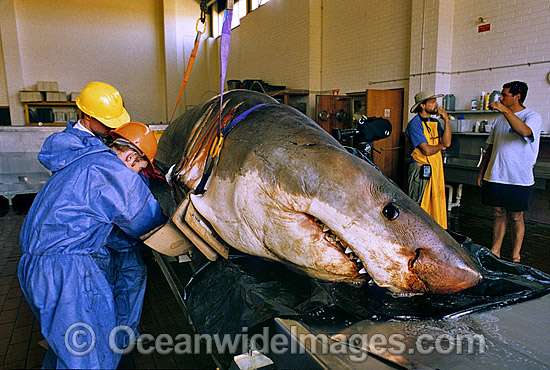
(484, 27)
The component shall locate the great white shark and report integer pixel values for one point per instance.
(283, 189)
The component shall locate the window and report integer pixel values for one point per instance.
(218, 15)
(240, 9)
(255, 4)
(5, 116)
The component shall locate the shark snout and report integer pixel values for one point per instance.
(446, 273)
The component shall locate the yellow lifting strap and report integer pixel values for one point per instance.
(216, 146)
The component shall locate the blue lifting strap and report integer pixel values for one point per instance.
(225, 42)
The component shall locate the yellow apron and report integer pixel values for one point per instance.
(433, 200)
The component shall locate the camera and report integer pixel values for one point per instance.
(369, 130)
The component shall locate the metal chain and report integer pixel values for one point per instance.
(204, 9)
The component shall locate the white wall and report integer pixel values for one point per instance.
(180, 21)
(272, 44)
(74, 42)
(321, 45)
(358, 44)
(142, 48)
(3, 84)
(476, 62)
(413, 44)
(520, 33)
(365, 42)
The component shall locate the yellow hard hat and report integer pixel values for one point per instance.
(141, 136)
(104, 103)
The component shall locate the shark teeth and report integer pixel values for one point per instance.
(404, 295)
(333, 239)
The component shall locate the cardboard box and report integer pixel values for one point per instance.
(59, 116)
(71, 116)
(47, 86)
(465, 125)
(56, 96)
(454, 125)
(30, 96)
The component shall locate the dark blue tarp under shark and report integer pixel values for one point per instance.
(245, 291)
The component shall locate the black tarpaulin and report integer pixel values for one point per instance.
(244, 291)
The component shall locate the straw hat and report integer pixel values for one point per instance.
(422, 96)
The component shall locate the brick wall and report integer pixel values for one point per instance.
(272, 43)
(4, 101)
(520, 33)
(365, 41)
(318, 45)
(349, 44)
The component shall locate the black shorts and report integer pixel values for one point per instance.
(513, 198)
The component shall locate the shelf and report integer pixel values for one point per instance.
(467, 133)
(292, 97)
(52, 103)
(291, 92)
(472, 111)
(60, 113)
(40, 124)
(286, 94)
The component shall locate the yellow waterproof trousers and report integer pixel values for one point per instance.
(433, 200)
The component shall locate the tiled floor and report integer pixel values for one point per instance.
(20, 333)
(476, 221)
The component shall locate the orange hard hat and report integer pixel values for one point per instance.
(139, 135)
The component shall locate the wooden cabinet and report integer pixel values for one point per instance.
(390, 152)
(332, 111)
(50, 113)
(295, 98)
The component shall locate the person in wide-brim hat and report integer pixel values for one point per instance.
(427, 137)
(423, 96)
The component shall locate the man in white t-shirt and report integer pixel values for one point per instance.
(507, 168)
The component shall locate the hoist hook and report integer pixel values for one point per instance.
(204, 9)
(203, 25)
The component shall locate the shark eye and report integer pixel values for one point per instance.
(390, 211)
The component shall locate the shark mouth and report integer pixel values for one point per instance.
(342, 246)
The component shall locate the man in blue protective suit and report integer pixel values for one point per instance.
(80, 270)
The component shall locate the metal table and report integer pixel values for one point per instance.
(516, 336)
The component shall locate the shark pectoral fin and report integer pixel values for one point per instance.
(179, 220)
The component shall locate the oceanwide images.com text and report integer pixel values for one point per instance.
(80, 340)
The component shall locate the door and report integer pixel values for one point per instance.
(388, 104)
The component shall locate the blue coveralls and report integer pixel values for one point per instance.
(68, 274)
